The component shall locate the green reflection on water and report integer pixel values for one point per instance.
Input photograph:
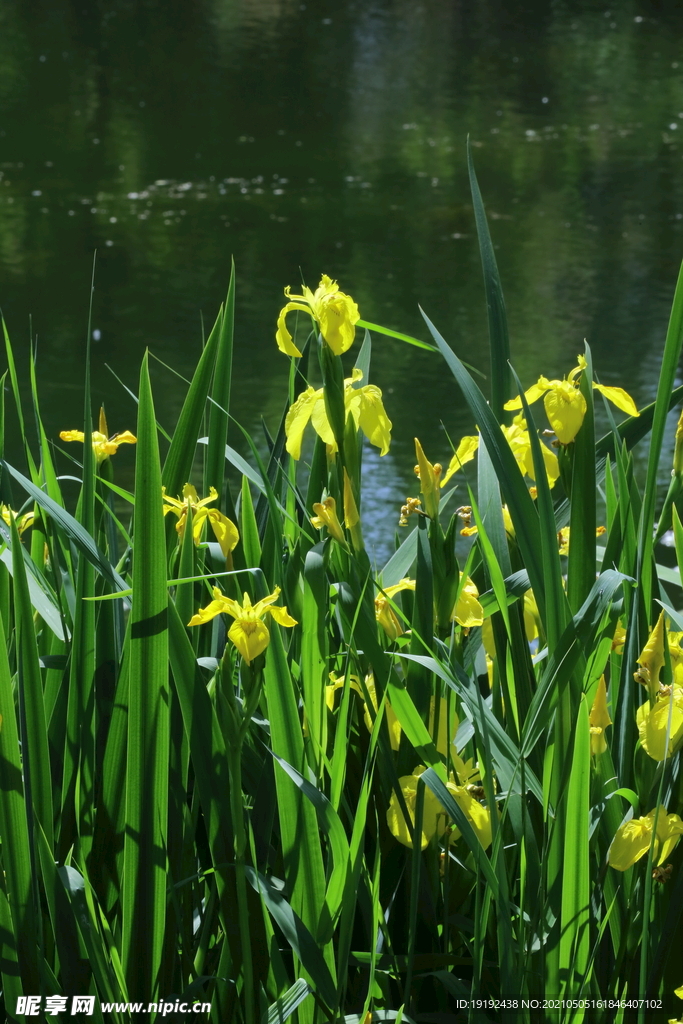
(331, 138)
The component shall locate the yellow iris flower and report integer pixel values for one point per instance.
(564, 404)
(224, 529)
(22, 522)
(248, 632)
(335, 313)
(563, 537)
(633, 839)
(434, 818)
(385, 614)
(102, 445)
(363, 403)
(468, 612)
(517, 436)
(599, 719)
(653, 722)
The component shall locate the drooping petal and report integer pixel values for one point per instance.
(225, 531)
(671, 834)
(565, 408)
(465, 452)
(653, 723)
(282, 335)
(468, 612)
(479, 816)
(321, 424)
(297, 419)
(631, 842)
(434, 819)
(72, 435)
(250, 637)
(366, 407)
(618, 397)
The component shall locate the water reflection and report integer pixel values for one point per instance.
(331, 139)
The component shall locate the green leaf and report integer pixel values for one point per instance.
(144, 878)
(495, 303)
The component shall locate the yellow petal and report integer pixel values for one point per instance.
(321, 424)
(565, 408)
(651, 658)
(465, 452)
(297, 419)
(532, 394)
(468, 612)
(653, 722)
(479, 816)
(351, 516)
(225, 531)
(631, 842)
(72, 435)
(250, 637)
(671, 835)
(365, 405)
(281, 615)
(446, 735)
(125, 438)
(337, 315)
(618, 397)
(206, 614)
(282, 335)
(434, 819)
(599, 719)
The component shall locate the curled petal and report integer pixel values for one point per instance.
(468, 611)
(337, 315)
(72, 435)
(282, 335)
(631, 842)
(124, 438)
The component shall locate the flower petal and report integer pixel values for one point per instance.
(297, 419)
(282, 335)
(210, 612)
(250, 637)
(225, 531)
(618, 397)
(533, 394)
(565, 408)
(365, 404)
(465, 452)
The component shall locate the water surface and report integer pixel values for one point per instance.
(304, 138)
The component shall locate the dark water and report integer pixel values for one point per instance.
(322, 137)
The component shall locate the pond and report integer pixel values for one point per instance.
(309, 138)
